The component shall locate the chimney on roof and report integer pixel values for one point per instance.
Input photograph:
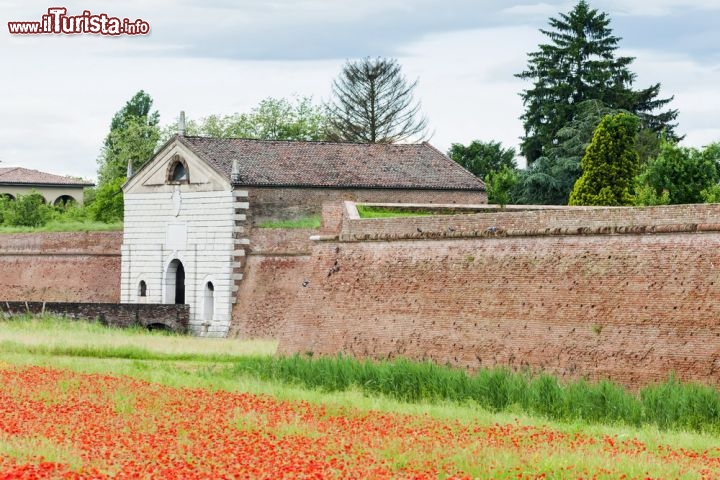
(129, 169)
(181, 124)
(235, 174)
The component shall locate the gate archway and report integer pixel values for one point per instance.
(175, 283)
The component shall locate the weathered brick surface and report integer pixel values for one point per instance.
(64, 267)
(268, 289)
(123, 315)
(332, 218)
(280, 241)
(631, 307)
(553, 221)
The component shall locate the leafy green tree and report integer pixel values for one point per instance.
(373, 103)
(481, 158)
(499, 184)
(646, 196)
(711, 194)
(681, 171)
(133, 136)
(107, 206)
(578, 64)
(272, 119)
(610, 163)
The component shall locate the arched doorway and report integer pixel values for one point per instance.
(142, 292)
(175, 283)
(209, 307)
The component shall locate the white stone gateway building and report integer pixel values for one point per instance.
(190, 211)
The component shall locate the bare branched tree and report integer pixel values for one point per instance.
(373, 103)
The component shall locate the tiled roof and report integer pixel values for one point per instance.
(325, 164)
(19, 175)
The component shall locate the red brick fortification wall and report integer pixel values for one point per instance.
(273, 271)
(627, 306)
(61, 267)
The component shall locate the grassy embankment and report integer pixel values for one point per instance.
(670, 406)
(66, 226)
(658, 417)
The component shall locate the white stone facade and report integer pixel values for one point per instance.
(195, 223)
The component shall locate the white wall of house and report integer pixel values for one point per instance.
(194, 223)
(51, 194)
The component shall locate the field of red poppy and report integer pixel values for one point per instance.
(57, 423)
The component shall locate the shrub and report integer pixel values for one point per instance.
(107, 206)
(646, 196)
(681, 171)
(711, 194)
(499, 184)
(27, 211)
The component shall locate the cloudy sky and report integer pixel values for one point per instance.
(59, 92)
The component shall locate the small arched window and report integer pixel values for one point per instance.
(179, 173)
(142, 289)
(209, 307)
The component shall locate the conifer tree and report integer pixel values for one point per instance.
(579, 63)
(610, 163)
(373, 103)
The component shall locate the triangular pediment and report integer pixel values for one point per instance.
(156, 175)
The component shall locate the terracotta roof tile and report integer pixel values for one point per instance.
(20, 175)
(325, 164)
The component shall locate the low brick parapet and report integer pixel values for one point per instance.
(122, 315)
(529, 221)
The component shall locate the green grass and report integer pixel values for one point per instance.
(369, 211)
(226, 363)
(344, 386)
(669, 406)
(66, 226)
(51, 336)
(312, 221)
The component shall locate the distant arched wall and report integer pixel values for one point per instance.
(64, 199)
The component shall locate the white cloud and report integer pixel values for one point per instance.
(658, 7)
(467, 87)
(60, 92)
(695, 86)
(533, 10)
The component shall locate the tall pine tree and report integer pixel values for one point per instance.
(579, 64)
(373, 103)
